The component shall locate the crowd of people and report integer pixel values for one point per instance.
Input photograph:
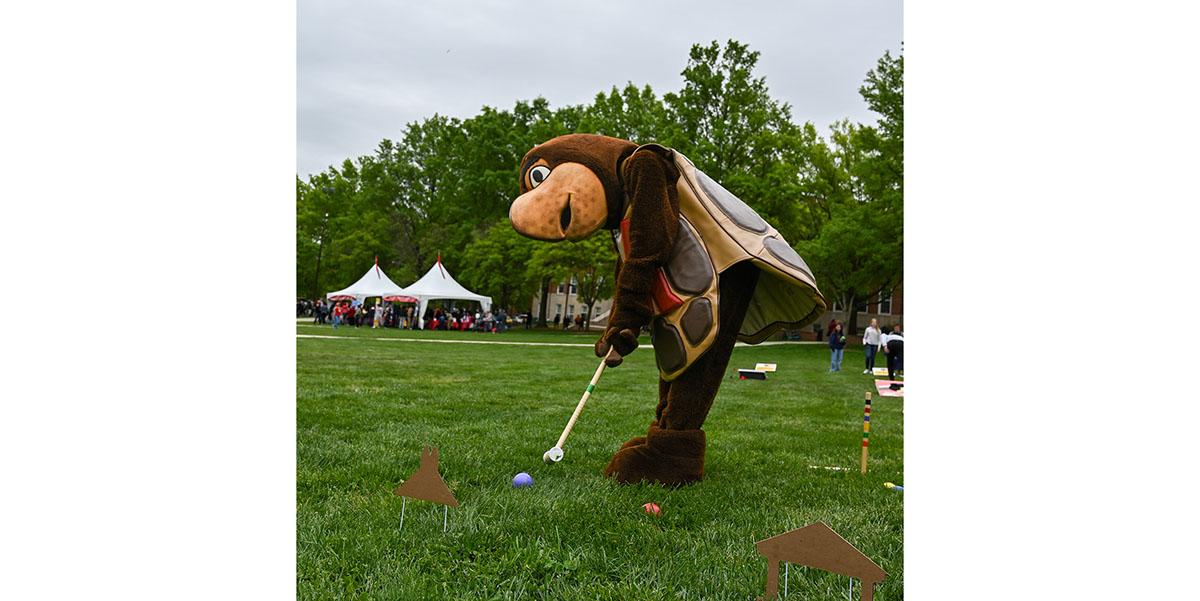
(874, 341)
(390, 315)
(466, 321)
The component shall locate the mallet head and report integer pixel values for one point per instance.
(554, 455)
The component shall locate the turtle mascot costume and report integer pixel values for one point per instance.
(696, 265)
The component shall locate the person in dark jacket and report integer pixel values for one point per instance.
(837, 345)
(894, 347)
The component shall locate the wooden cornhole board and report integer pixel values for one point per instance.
(883, 386)
(818, 546)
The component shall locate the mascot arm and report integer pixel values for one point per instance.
(653, 227)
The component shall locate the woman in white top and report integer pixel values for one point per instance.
(871, 344)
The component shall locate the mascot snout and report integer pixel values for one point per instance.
(563, 203)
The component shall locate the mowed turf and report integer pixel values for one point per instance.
(365, 407)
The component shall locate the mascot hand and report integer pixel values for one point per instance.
(622, 342)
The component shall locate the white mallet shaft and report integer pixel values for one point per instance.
(582, 401)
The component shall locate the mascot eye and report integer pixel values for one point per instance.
(538, 175)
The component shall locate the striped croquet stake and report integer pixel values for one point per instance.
(866, 431)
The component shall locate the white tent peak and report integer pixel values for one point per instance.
(437, 283)
(372, 283)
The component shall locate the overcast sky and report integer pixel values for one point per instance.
(367, 68)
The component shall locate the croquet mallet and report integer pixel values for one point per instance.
(555, 454)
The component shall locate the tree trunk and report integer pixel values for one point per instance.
(852, 317)
(418, 260)
(545, 299)
(589, 299)
(317, 279)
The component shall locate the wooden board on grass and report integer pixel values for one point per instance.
(884, 388)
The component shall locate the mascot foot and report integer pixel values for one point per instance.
(638, 440)
(670, 457)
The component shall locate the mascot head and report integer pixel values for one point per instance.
(570, 187)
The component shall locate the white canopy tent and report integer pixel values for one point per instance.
(373, 283)
(437, 283)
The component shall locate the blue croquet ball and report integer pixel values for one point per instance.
(522, 480)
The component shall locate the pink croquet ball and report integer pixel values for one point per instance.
(652, 509)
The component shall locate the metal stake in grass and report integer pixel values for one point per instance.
(555, 454)
(426, 484)
(445, 514)
(866, 431)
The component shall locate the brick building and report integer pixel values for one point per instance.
(564, 302)
(889, 310)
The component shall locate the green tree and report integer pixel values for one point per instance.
(495, 264)
(591, 262)
(858, 253)
(420, 163)
(725, 120)
(311, 229)
(632, 113)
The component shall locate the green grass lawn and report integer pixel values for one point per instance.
(365, 407)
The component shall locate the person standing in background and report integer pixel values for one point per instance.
(837, 347)
(871, 343)
(894, 347)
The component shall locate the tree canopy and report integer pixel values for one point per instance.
(858, 252)
(444, 185)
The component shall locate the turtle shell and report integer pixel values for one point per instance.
(731, 232)
(716, 231)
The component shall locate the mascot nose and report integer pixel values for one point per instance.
(540, 216)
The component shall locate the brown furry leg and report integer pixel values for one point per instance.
(691, 394)
(672, 452)
(664, 392)
(664, 388)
